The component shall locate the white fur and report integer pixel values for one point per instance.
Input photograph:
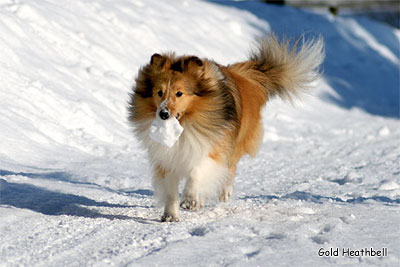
(166, 191)
(216, 71)
(187, 158)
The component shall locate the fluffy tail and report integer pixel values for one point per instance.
(284, 68)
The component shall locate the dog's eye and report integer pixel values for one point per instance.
(160, 93)
(179, 94)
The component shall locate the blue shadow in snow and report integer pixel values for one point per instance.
(41, 200)
(26, 196)
(67, 177)
(299, 195)
(141, 192)
(361, 76)
(58, 176)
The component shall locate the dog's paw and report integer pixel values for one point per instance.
(169, 218)
(192, 205)
(226, 194)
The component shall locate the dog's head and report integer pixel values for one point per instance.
(172, 86)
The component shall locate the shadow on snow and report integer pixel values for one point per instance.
(47, 202)
(299, 195)
(58, 176)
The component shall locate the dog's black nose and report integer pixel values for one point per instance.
(164, 114)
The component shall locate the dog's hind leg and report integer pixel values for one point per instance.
(191, 194)
(227, 190)
(205, 181)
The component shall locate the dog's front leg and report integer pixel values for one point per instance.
(166, 189)
(171, 210)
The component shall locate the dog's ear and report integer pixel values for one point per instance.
(144, 85)
(157, 60)
(192, 61)
(192, 64)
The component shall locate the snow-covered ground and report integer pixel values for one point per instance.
(75, 189)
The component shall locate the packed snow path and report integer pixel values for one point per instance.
(75, 189)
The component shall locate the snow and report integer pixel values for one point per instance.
(165, 132)
(75, 187)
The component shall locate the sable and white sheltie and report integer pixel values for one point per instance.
(219, 108)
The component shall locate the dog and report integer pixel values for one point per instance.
(219, 108)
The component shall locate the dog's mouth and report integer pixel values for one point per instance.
(179, 115)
